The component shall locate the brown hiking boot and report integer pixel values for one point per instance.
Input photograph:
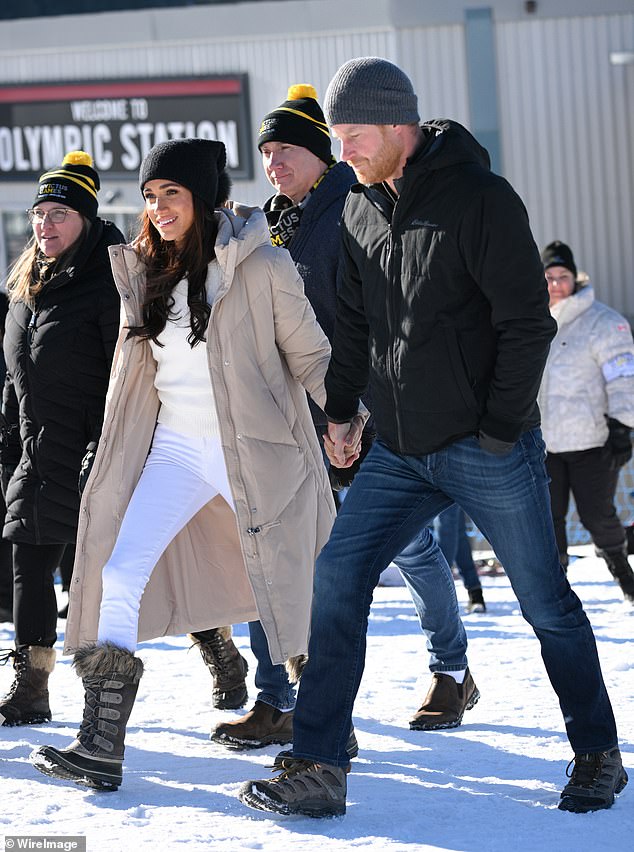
(307, 788)
(594, 781)
(445, 703)
(26, 703)
(227, 666)
(261, 726)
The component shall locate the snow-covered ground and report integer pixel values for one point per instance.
(492, 784)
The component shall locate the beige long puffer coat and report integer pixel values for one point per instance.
(265, 350)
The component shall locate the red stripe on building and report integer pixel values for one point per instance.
(139, 89)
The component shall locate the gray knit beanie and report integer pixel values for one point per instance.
(370, 90)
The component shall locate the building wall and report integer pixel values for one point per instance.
(566, 117)
(568, 139)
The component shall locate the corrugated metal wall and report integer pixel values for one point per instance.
(568, 140)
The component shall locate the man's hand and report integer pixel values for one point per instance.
(343, 442)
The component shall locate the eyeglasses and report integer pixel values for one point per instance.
(561, 279)
(57, 215)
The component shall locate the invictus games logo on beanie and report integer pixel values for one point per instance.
(298, 121)
(75, 183)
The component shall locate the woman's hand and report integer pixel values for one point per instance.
(342, 442)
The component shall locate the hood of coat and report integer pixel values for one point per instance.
(447, 143)
(241, 230)
(569, 309)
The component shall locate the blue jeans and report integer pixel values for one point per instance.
(271, 681)
(391, 499)
(451, 531)
(430, 582)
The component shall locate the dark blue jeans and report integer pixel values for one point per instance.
(451, 531)
(271, 681)
(391, 499)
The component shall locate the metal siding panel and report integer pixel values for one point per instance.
(568, 139)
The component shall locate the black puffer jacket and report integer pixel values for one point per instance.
(445, 290)
(58, 364)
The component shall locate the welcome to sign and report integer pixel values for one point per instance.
(118, 122)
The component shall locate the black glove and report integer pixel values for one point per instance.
(619, 443)
(86, 465)
(341, 477)
(494, 445)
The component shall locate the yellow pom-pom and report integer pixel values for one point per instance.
(301, 90)
(77, 158)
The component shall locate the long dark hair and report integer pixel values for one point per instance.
(166, 265)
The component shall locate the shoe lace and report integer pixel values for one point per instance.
(20, 663)
(216, 654)
(6, 654)
(291, 766)
(586, 769)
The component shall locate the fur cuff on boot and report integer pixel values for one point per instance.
(104, 658)
(295, 666)
(42, 658)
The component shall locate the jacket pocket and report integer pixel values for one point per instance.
(459, 367)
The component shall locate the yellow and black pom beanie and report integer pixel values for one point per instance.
(75, 183)
(298, 121)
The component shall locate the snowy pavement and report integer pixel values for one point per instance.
(491, 785)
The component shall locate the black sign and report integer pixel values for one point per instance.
(118, 122)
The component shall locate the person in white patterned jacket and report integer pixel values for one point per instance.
(587, 405)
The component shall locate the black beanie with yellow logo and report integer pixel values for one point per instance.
(75, 183)
(298, 121)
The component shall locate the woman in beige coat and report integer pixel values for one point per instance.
(208, 500)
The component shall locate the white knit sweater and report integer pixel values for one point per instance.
(182, 377)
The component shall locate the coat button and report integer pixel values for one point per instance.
(226, 363)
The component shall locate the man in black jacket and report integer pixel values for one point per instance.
(304, 216)
(444, 290)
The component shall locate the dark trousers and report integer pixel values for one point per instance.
(588, 475)
(6, 566)
(35, 604)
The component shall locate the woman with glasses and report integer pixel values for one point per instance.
(587, 405)
(60, 335)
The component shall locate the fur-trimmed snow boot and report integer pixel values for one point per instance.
(26, 703)
(110, 676)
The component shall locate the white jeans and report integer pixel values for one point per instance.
(182, 473)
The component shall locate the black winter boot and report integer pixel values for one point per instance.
(110, 676)
(620, 568)
(227, 666)
(476, 601)
(594, 781)
(26, 703)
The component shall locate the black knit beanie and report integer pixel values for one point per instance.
(298, 121)
(370, 90)
(559, 254)
(75, 183)
(196, 164)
